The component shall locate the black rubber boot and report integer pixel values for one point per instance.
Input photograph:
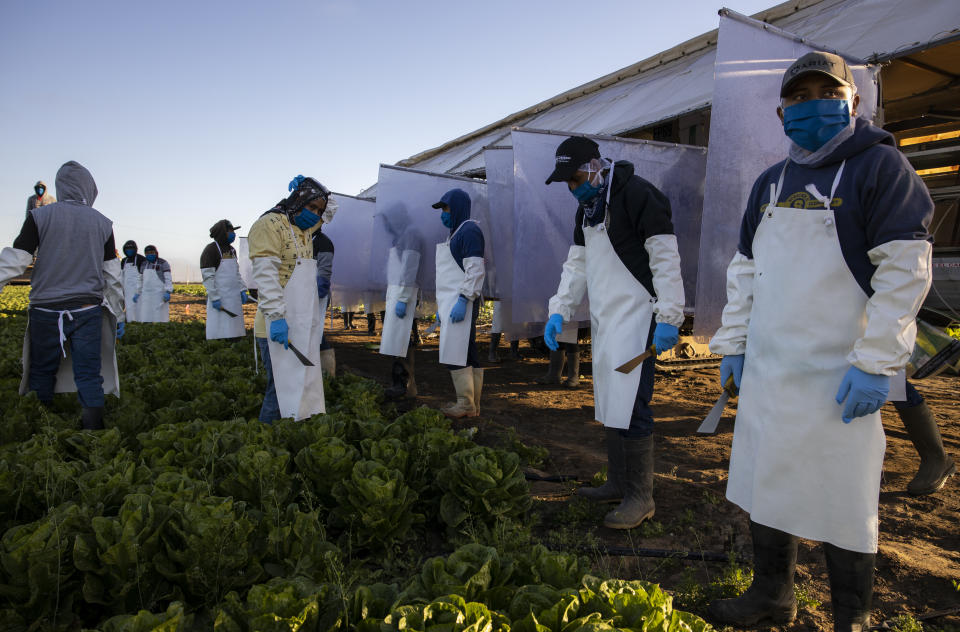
(411, 377)
(573, 367)
(771, 595)
(637, 503)
(612, 490)
(851, 587)
(398, 378)
(92, 418)
(515, 350)
(347, 317)
(554, 370)
(935, 465)
(494, 343)
(371, 323)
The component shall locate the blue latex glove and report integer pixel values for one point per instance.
(166, 296)
(731, 365)
(279, 332)
(554, 329)
(400, 309)
(244, 297)
(665, 336)
(217, 305)
(459, 311)
(136, 297)
(121, 329)
(437, 316)
(295, 183)
(323, 286)
(865, 393)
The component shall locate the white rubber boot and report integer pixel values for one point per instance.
(477, 388)
(463, 384)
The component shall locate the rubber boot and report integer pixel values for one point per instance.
(935, 466)
(347, 317)
(851, 587)
(411, 376)
(398, 378)
(477, 388)
(612, 490)
(637, 503)
(328, 362)
(515, 350)
(553, 372)
(573, 367)
(463, 384)
(771, 595)
(92, 418)
(494, 343)
(371, 323)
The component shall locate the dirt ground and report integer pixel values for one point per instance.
(919, 558)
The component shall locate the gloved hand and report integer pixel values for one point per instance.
(217, 305)
(554, 329)
(731, 365)
(865, 393)
(295, 183)
(665, 336)
(244, 297)
(401, 309)
(459, 311)
(136, 297)
(437, 316)
(166, 297)
(279, 332)
(121, 329)
(323, 286)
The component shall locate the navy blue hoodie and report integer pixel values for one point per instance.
(469, 241)
(880, 198)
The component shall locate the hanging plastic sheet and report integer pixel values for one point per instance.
(545, 214)
(350, 233)
(417, 191)
(746, 137)
(243, 261)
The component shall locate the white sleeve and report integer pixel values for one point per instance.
(13, 263)
(266, 272)
(573, 284)
(473, 273)
(113, 288)
(731, 338)
(409, 267)
(210, 283)
(900, 284)
(167, 281)
(140, 281)
(667, 282)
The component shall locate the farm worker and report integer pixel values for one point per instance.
(225, 288)
(460, 271)
(41, 196)
(153, 296)
(323, 253)
(76, 296)
(935, 465)
(625, 258)
(832, 266)
(289, 325)
(130, 270)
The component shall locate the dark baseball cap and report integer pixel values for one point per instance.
(572, 153)
(821, 63)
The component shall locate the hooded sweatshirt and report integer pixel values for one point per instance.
(71, 240)
(135, 260)
(880, 198)
(47, 197)
(408, 241)
(219, 247)
(469, 241)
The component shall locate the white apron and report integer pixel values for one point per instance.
(454, 337)
(795, 466)
(153, 309)
(108, 357)
(299, 387)
(620, 313)
(229, 285)
(395, 337)
(131, 282)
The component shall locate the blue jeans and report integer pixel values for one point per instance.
(83, 336)
(473, 358)
(270, 410)
(641, 420)
(914, 398)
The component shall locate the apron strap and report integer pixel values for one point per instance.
(812, 188)
(775, 189)
(68, 312)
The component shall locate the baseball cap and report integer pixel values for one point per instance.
(572, 153)
(819, 62)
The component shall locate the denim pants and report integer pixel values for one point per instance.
(270, 410)
(641, 420)
(83, 337)
(473, 358)
(914, 398)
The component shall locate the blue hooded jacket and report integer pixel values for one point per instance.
(469, 241)
(880, 198)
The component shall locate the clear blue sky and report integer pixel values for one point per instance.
(187, 112)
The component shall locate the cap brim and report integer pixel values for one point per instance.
(561, 174)
(439, 205)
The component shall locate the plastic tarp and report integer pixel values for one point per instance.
(544, 218)
(350, 231)
(243, 262)
(746, 137)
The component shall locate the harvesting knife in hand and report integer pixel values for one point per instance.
(712, 420)
(227, 312)
(630, 365)
(304, 360)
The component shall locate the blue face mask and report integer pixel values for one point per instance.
(306, 219)
(447, 219)
(231, 237)
(585, 192)
(151, 258)
(40, 191)
(811, 124)
(129, 252)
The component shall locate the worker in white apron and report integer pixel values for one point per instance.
(460, 272)
(130, 270)
(76, 297)
(323, 254)
(832, 266)
(156, 284)
(403, 288)
(624, 254)
(226, 293)
(288, 327)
